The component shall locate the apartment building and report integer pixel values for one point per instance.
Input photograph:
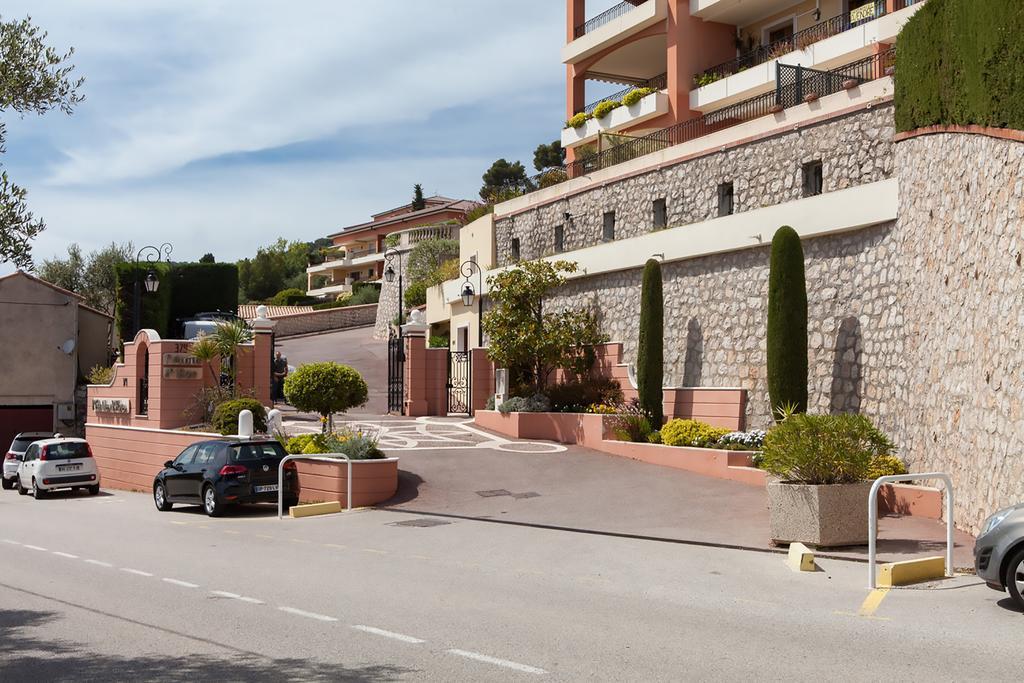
(357, 252)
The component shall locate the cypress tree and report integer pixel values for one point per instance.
(787, 323)
(418, 202)
(650, 360)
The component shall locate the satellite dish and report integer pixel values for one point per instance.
(68, 347)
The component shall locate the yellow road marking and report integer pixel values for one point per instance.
(373, 550)
(298, 540)
(335, 545)
(180, 523)
(873, 601)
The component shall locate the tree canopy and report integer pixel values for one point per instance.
(418, 202)
(502, 178)
(92, 276)
(548, 156)
(34, 78)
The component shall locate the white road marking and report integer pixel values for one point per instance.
(387, 634)
(137, 572)
(7, 540)
(236, 596)
(498, 662)
(35, 547)
(98, 563)
(183, 584)
(303, 613)
(252, 601)
(67, 555)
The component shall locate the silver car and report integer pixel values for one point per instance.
(16, 452)
(999, 552)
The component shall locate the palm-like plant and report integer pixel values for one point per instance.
(228, 337)
(204, 348)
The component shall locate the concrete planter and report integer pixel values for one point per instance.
(326, 479)
(823, 516)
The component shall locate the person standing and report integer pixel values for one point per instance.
(280, 373)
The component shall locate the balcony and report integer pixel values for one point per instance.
(649, 107)
(838, 40)
(332, 287)
(612, 26)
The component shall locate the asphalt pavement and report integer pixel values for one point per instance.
(107, 588)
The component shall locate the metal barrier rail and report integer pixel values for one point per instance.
(606, 16)
(280, 479)
(873, 518)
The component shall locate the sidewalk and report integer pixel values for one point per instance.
(589, 492)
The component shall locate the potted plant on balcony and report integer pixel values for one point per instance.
(822, 464)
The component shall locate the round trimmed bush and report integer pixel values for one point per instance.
(325, 388)
(225, 415)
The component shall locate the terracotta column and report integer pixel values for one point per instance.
(683, 42)
(575, 85)
(417, 387)
(263, 348)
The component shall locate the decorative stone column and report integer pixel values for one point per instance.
(263, 352)
(415, 335)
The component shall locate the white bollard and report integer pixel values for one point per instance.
(245, 424)
(274, 421)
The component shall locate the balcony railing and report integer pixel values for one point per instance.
(656, 83)
(794, 84)
(798, 41)
(606, 16)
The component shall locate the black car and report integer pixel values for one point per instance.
(223, 472)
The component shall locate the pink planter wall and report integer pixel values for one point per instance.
(129, 458)
(373, 481)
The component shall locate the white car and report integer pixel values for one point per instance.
(58, 463)
(15, 453)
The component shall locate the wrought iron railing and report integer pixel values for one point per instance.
(656, 83)
(798, 41)
(794, 84)
(606, 16)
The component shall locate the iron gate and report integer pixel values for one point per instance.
(459, 383)
(396, 374)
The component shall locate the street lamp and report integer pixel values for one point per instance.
(151, 281)
(469, 294)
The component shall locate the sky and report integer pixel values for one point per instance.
(219, 125)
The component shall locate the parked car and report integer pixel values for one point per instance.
(224, 472)
(57, 463)
(999, 552)
(202, 323)
(16, 452)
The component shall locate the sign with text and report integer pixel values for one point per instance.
(183, 373)
(112, 405)
(181, 359)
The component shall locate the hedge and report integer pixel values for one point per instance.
(961, 62)
(198, 287)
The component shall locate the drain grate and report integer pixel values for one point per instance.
(493, 493)
(423, 522)
(528, 494)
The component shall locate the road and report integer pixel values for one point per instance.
(107, 588)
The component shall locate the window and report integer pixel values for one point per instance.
(781, 32)
(31, 453)
(369, 272)
(812, 179)
(559, 238)
(186, 456)
(660, 214)
(726, 200)
(205, 453)
(515, 248)
(608, 232)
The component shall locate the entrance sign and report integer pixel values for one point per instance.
(181, 359)
(183, 373)
(112, 405)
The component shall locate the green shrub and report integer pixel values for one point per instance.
(700, 80)
(325, 389)
(538, 403)
(360, 285)
(634, 96)
(553, 177)
(225, 415)
(602, 110)
(632, 425)
(886, 465)
(291, 297)
(416, 294)
(650, 357)
(787, 323)
(356, 445)
(362, 297)
(654, 437)
(100, 374)
(824, 449)
(438, 341)
(577, 120)
(679, 432)
(961, 62)
(574, 396)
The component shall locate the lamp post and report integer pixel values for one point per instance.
(468, 294)
(151, 280)
(389, 277)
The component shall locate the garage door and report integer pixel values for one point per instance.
(14, 419)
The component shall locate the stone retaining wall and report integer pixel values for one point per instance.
(325, 320)
(855, 149)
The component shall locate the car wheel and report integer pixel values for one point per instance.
(21, 489)
(211, 506)
(37, 492)
(8, 484)
(1014, 579)
(93, 490)
(160, 498)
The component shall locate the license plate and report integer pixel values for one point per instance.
(265, 489)
(68, 468)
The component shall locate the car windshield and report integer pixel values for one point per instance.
(21, 443)
(248, 452)
(67, 450)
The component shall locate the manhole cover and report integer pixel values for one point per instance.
(421, 522)
(492, 494)
(528, 494)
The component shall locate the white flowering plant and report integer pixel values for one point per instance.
(752, 440)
